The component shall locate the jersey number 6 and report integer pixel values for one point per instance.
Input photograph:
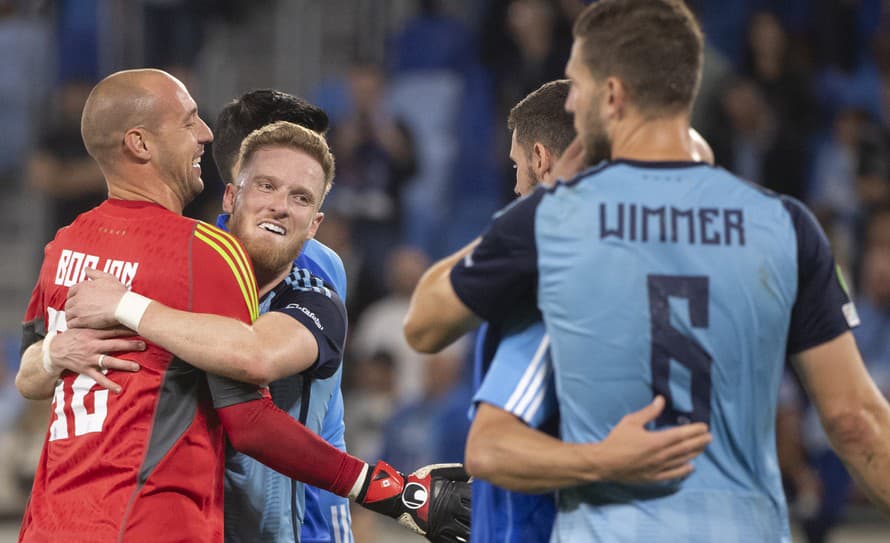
(671, 345)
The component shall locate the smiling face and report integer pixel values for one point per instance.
(181, 136)
(275, 205)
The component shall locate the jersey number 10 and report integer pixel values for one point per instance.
(84, 421)
(669, 344)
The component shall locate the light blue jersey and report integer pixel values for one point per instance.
(267, 504)
(518, 378)
(675, 279)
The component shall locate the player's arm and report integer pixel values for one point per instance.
(853, 412)
(45, 355)
(432, 501)
(33, 381)
(224, 284)
(505, 451)
(274, 346)
(76, 350)
(436, 316)
(489, 279)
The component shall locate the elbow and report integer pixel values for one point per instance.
(252, 365)
(853, 430)
(480, 458)
(29, 392)
(422, 338)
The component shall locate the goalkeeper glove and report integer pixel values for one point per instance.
(434, 501)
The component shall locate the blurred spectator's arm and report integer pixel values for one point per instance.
(63, 178)
(396, 139)
(855, 415)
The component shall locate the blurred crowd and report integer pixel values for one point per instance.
(795, 97)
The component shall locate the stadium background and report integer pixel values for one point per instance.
(796, 97)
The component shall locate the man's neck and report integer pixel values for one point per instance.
(148, 189)
(658, 140)
(268, 280)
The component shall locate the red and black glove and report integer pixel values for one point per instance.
(434, 501)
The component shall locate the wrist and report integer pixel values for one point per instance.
(48, 365)
(361, 483)
(593, 464)
(130, 309)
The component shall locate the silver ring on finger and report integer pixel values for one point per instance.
(101, 361)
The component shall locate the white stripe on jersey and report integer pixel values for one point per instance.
(530, 381)
(335, 522)
(529, 414)
(346, 523)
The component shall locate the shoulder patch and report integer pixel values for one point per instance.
(301, 279)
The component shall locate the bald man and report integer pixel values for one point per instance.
(146, 462)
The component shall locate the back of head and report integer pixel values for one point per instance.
(655, 47)
(541, 117)
(252, 111)
(121, 101)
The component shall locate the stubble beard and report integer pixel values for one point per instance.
(268, 258)
(597, 146)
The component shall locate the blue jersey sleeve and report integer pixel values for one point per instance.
(322, 312)
(520, 377)
(500, 276)
(823, 309)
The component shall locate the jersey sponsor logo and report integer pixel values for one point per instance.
(306, 312)
(668, 224)
(415, 496)
(73, 265)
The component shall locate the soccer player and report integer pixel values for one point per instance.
(514, 383)
(657, 275)
(513, 361)
(324, 517)
(512, 372)
(146, 464)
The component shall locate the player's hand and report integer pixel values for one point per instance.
(82, 351)
(571, 162)
(633, 454)
(91, 304)
(434, 501)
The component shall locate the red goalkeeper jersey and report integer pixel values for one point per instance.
(144, 465)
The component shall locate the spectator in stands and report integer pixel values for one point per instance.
(60, 167)
(379, 328)
(758, 145)
(375, 157)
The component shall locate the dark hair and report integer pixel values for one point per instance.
(542, 117)
(654, 46)
(254, 110)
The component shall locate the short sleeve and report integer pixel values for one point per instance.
(34, 323)
(822, 309)
(520, 377)
(500, 276)
(321, 311)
